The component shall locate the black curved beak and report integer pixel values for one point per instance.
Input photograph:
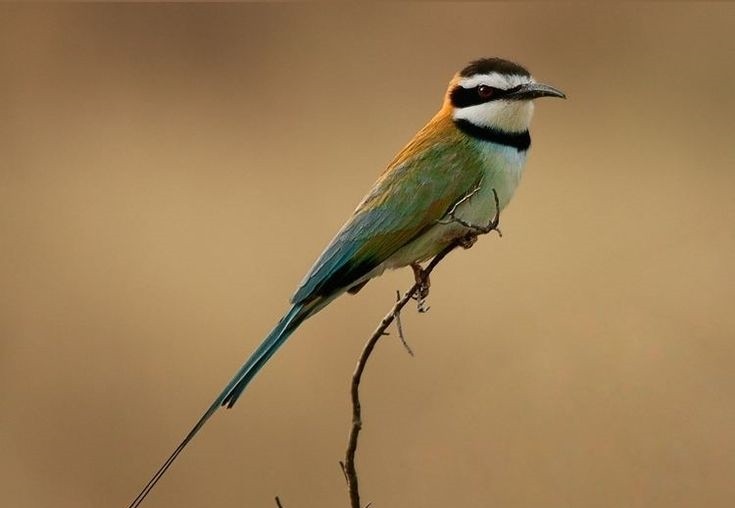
(531, 91)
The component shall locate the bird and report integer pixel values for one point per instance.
(458, 171)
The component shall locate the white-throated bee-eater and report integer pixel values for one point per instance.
(468, 156)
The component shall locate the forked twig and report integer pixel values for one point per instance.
(348, 466)
(465, 198)
(474, 228)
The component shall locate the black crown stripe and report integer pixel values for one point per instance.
(488, 65)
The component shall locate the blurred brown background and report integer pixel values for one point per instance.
(168, 173)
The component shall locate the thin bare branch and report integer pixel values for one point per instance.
(348, 466)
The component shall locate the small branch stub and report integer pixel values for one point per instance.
(399, 326)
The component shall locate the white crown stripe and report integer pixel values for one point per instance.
(496, 80)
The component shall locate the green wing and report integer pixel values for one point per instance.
(407, 200)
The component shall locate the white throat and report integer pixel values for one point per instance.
(507, 116)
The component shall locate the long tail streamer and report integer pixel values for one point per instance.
(285, 327)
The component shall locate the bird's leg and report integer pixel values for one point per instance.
(422, 279)
(467, 240)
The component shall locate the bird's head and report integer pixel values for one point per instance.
(496, 93)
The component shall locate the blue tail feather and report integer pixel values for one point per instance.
(283, 330)
(275, 339)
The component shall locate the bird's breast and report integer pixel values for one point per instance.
(502, 170)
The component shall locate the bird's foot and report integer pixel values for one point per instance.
(467, 241)
(424, 283)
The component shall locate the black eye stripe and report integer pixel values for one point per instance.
(464, 97)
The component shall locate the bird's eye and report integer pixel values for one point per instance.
(485, 92)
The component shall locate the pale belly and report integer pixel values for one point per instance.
(478, 210)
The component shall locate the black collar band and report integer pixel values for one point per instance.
(518, 140)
